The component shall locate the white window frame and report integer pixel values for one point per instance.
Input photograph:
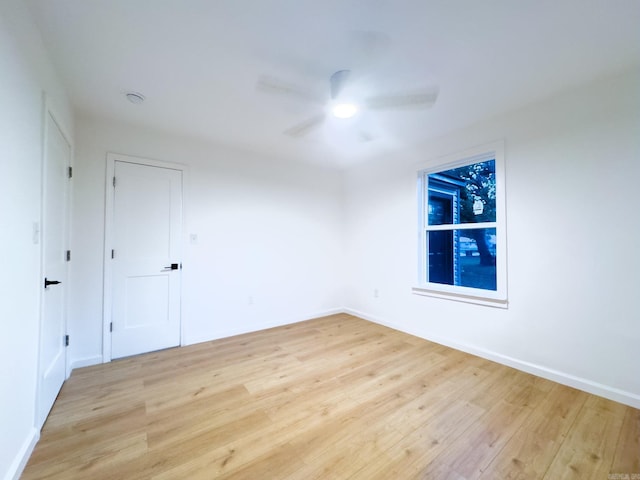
(495, 298)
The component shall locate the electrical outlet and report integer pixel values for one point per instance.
(376, 293)
(250, 300)
(193, 238)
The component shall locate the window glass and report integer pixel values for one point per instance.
(464, 194)
(463, 257)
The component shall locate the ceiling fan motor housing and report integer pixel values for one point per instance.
(338, 81)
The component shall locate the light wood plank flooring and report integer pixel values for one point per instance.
(332, 398)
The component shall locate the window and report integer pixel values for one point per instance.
(462, 248)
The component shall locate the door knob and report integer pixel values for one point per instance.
(173, 266)
(50, 282)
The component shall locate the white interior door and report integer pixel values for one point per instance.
(52, 359)
(146, 263)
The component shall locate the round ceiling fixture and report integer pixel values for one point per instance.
(344, 110)
(134, 97)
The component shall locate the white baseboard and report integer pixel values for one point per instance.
(22, 457)
(564, 378)
(84, 362)
(262, 326)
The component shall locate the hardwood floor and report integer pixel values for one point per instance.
(332, 398)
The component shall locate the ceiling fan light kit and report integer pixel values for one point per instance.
(344, 110)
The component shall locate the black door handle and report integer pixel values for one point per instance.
(173, 266)
(50, 282)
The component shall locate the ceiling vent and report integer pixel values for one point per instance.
(135, 97)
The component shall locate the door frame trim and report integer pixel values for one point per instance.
(49, 110)
(107, 297)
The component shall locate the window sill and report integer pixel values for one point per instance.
(488, 302)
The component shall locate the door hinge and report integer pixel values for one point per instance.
(113, 253)
(68, 255)
(114, 182)
(70, 172)
(66, 340)
(111, 327)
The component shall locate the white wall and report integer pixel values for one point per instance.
(267, 229)
(572, 173)
(24, 74)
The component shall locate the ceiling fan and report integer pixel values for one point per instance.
(342, 106)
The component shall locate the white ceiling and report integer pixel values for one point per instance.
(198, 61)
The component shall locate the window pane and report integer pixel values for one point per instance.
(463, 195)
(466, 258)
(441, 257)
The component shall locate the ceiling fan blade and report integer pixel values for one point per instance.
(420, 99)
(301, 129)
(337, 82)
(367, 46)
(276, 86)
(365, 137)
